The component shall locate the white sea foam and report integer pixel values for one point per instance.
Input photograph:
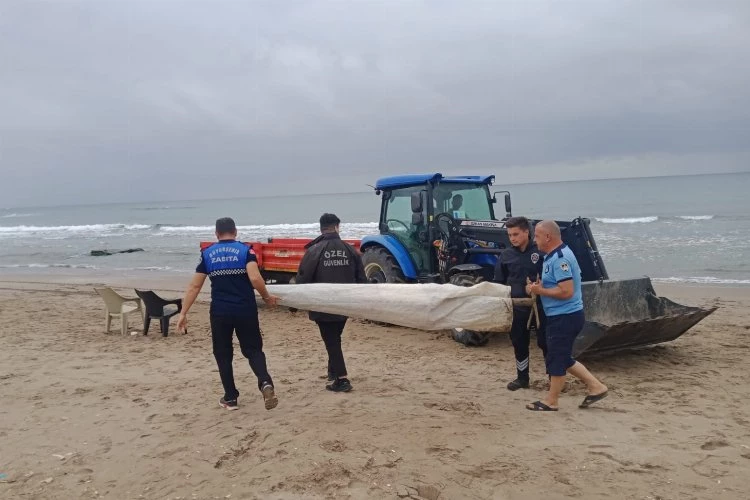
(86, 228)
(628, 220)
(695, 217)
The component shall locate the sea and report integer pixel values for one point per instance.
(680, 229)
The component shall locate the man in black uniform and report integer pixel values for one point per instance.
(329, 260)
(514, 266)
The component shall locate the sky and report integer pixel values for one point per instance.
(142, 100)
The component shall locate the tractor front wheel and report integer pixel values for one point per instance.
(381, 267)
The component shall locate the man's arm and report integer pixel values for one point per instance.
(563, 275)
(563, 291)
(253, 272)
(193, 289)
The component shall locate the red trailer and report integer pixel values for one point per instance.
(279, 258)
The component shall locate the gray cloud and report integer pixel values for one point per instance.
(99, 98)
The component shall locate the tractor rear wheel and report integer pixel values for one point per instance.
(381, 266)
(461, 335)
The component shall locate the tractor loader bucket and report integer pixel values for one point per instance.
(628, 313)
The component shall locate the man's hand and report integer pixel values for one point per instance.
(533, 287)
(271, 300)
(182, 323)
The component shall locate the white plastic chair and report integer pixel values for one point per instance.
(118, 306)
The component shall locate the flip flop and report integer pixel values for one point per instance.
(539, 406)
(591, 399)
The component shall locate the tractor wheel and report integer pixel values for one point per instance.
(461, 335)
(381, 267)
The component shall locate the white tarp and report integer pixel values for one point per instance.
(483, 307)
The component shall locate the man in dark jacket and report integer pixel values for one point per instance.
(515, 267)
(329, 260)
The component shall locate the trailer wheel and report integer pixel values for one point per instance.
(461, 335)
(381, 267)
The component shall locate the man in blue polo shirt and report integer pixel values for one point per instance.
(233, 270)
(560, 291)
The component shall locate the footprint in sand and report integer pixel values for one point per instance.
(106, 444)
(335, 446)
(714, 444)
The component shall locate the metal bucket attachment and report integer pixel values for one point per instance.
(628, 313)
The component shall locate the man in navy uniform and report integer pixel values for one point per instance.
(327, 259)
(515, 267)
(233, 270)
(562, 298)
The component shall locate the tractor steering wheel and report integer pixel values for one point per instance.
(388, 222)
(446, 224)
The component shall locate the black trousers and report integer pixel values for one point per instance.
(251, 345)
(520, 336)
(331, 332)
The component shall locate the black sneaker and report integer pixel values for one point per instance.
(269, 396)
(519, 383)
(340, 385)
(228, 405)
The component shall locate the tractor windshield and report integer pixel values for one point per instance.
(463, 201)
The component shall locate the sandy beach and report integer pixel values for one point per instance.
(86, 414)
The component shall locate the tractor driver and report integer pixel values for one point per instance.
(456, 203)
(516, 264)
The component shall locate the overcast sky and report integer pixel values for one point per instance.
(131, 100)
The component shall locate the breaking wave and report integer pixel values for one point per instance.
(651, 218)
(627, 220)
(102, 230)
(73, 229)
(695, 217)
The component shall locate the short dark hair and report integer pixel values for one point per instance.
(520, 222)
(329, 221)
(225, 225)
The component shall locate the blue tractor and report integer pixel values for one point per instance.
(440, 229)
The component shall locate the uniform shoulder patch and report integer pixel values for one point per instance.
(564, 266)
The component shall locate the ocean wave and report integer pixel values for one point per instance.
(173, 228)
(13, 216)
(271, 228)
(627, 220)
(163, 208)
(87, 228)
(46, 266)
(704, 280)
(695, 217)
